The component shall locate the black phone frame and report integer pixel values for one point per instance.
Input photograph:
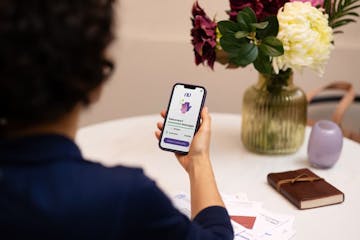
(190, 86)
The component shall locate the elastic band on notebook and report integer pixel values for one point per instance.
(301, 178)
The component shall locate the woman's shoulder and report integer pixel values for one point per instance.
(117, 185)
(117, 176)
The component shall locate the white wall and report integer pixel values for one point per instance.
(153, 51)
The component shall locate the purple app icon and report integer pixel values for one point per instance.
(185, 107)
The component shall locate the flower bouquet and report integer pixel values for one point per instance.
(276, 37)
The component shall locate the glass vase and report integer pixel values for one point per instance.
(274, 115)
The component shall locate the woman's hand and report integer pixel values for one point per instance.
(204, 192)
(199, 148)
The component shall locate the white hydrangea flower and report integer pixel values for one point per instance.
(306, 36)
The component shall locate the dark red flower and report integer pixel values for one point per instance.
(262, 8)
(272, 7)
(203, 36)
(238, 5)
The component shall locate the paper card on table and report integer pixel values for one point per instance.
(182, 202)
(268, 222)
(234, 197)
(243, 236)
(284, 234)
(243, 208)
(245, 221)
(248, 219)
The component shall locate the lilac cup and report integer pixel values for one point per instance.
(325, 144)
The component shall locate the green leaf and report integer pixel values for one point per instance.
(230, 44)
(355, 14)
(327, 6)
(260, 25)
(245, 18)
(263, 64)
(251, 14)
(245, 55)
(342, 22)
(341, 12)
(242, 21)
(351, 8)
(228, 27)
(271, 46)
(272, 28)
(241, 34)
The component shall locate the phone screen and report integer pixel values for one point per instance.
(182, 117)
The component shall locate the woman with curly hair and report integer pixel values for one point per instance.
(52, 66)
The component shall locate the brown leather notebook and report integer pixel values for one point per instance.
(305, 189)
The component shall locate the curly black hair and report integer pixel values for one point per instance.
(52, 55)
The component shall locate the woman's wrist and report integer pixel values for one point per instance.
(204, 192)
(199, 164)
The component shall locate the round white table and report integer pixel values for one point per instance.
(132, 142)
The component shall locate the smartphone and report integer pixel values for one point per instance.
(182, 117)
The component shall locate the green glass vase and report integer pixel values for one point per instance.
(274, 115)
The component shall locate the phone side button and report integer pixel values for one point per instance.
(176, 142)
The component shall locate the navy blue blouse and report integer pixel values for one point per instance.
(47, 190)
